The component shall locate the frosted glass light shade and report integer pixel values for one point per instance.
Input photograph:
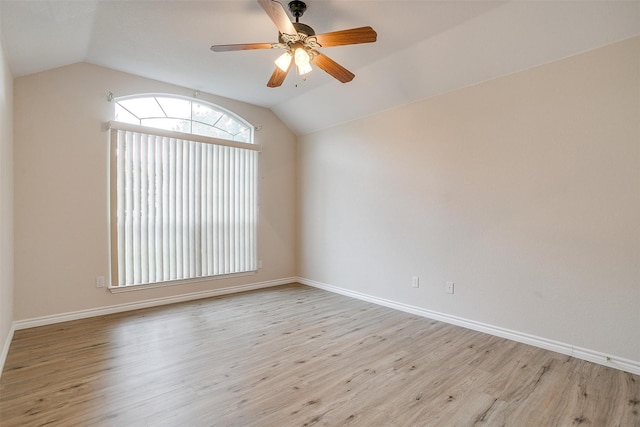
(304, 69)
(302, 57)
(283, 61)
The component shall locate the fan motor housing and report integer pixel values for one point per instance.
(301, 29)
(304, 29)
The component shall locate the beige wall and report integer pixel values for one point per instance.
(6, 202)
(524, 191)
(61, 159)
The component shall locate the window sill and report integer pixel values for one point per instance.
(129, 288)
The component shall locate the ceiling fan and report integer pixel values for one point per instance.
(301, 43)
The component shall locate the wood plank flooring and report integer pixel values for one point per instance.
(297, 356)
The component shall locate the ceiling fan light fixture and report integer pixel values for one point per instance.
(301, 43)
(283, 61)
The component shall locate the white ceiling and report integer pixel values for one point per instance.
(424, 47)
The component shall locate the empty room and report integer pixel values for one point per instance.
(330, 212)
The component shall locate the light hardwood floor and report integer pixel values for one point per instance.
(297, 356)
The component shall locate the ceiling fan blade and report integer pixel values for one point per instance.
(242, 46)
(279, 16)
(345, 37)
(278, 76)
(332, 67)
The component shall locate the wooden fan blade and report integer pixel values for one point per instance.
(279, 16)
(243, 46)
(278, 76)
(345, 37)
(332, 67)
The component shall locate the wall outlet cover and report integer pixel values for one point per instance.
(449, 287)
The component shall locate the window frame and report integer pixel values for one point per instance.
(212, 106)
(114, 126)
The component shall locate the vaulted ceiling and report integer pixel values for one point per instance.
(424, 47)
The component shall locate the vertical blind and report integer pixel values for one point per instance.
(183, 208)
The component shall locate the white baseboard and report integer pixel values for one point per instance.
(5, 348)
(82, 314)
(611, 361)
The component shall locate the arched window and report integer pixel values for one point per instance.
(183, 192)
(183, 115)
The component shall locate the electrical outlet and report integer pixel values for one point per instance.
(448, 288)
(415, 282)
(100, 282)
